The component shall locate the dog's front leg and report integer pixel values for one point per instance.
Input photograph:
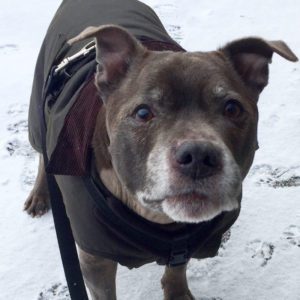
(38, 201)
(99, 275)
(174, 284)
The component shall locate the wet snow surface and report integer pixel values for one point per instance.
(261, 257)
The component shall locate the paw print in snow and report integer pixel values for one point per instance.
(57, 291)
(8, 48)
(280, 177)
(169, 13)
(261, 250)
(292, 235)
(20, 148)
(19, 126)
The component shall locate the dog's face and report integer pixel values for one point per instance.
(185, 138)
(182, 126)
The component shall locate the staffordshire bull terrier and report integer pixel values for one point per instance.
(173, 137)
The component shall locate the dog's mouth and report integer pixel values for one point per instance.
(189, 198)
(192, 206)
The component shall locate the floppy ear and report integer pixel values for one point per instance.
(250, 58)
(116, 49)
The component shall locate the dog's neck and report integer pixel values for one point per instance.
(110, 179)
(111, 182)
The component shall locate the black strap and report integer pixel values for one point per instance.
(65, 239)
(66, 243)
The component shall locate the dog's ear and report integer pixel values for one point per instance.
(116, 49)
(250, 58)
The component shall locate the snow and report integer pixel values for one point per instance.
(261, 259)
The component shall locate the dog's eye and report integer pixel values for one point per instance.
(233, 109)
(143, 113)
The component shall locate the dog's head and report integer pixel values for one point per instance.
(181, 127)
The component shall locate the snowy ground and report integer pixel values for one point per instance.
(261, 260)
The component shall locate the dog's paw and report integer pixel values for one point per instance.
(37, 204)
(262, 251)
(175, 291)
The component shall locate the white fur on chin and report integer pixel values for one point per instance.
(222, 193)
(180, 212)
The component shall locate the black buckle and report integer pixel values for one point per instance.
(179, 252)
(178, 258)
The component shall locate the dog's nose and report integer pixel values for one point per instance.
(198, 159)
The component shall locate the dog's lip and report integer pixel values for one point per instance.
(187, 196)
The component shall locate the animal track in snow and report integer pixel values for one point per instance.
(272, 120)
(262, 251)
(8, 48)
(175, 32)
(12, 146)
(18, 145)
(18, 115)
(17, 109)
(28, 177)
(277, 177)
(19, 126)
(292, 235)
(57, 291)
(170, 19)
(19, 148)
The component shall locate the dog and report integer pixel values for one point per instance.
(175, 134)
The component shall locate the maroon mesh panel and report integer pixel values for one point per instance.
(73, 149)
(70, 156)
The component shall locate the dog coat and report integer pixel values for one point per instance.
(112, 231)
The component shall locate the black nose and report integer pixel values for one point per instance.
(198, 159)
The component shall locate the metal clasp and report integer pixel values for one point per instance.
(81, 53)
